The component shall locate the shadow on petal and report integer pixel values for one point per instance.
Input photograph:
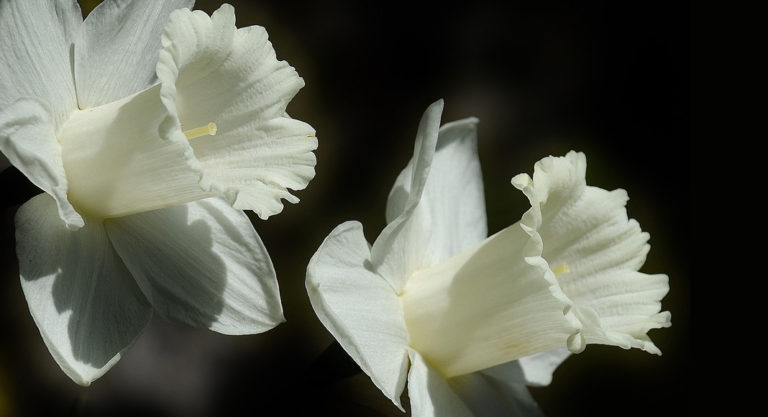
(201, 264)
(85, 303)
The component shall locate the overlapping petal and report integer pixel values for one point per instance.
(37, 40)
(457, 219)
(213, 72)
(537, 369)
(402, 246)
(359, 308)
(28, 140)
(116, 52)
(429, 392)
(202, 264)
(88, 308)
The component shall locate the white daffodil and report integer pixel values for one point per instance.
(114, 118)
(479, 318)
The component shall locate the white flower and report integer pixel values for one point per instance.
(113, 118)
(479, 318)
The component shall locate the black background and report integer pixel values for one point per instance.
(611, 79)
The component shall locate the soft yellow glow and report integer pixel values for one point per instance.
(562, 269)
(207, 130)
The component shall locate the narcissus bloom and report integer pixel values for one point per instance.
(149, 127)
(480, 318)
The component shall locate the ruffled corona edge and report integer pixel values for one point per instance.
(212, 72)
(584, 234)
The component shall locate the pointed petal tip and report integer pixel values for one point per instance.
(313, 281)
(438, 103)
(468, 123)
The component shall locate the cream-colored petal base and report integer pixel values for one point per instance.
(491, 304)
(129, 156)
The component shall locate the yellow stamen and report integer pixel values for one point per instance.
(562, 269)
(209, 129)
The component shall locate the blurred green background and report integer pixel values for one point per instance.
(611, 79)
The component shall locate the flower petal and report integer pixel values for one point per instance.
(28, 140)
(430, 393)
(213, 72)
(488, 305)
(499, 391)
(82, 298)
(35, 53)
(538, 368)
(453, 192)
(359, 308)
(201, 264)
(586, 230)
(401, 248)
(265, 158)
(116, 52)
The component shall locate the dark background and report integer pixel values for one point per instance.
(611, 80)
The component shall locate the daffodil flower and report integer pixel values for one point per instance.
(150, 128)
(480, 318)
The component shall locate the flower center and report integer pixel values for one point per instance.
(562, 269)
(207, 130)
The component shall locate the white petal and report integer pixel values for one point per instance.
(488, 305)
(28, 139)
(402, 246)
(202, 264)
(538, 368)
(453, 193)
(586, 229)
(496, 392)
(116, 52)
(430, 393)
(35, 53)
(82, 298)
(265, 158)
(359, 308)
(213, 72)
